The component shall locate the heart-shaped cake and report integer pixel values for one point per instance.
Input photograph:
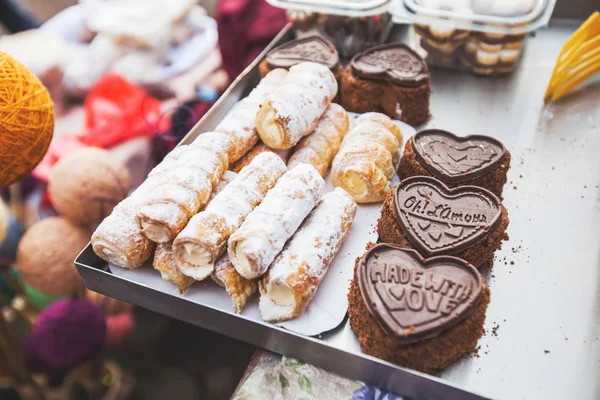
(414, 298)
(395, 62)
(455, 159)
(437, 220)
(314, 49)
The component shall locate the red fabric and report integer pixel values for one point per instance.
(245, 28)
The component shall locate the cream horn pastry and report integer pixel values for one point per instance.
(118, 240)
(226, 179)
(205, 237)
(165, 263)
(320, 147)
(238, 287)
(256, 150)
(294, 108)
(367, 160)
(180, 192)
(293, 278)
(239, 123)
(254, 246)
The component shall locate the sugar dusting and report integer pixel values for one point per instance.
(266, 229)
(306, 257)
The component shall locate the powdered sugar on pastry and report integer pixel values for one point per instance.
(205, 237)
(320, 147)
(294, 108)
(239, 123)
(253, 247)
(294, 276)
(238, 287)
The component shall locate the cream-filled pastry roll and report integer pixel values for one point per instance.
(238, 287)
(226, 179)
(254, 246)
(293, 278)
(164, 261)
(293, 109)
(184, 189)
(256, 150)
(117, 239)
(320, 147)
(367, 160)
(239, 123)
(205, 237)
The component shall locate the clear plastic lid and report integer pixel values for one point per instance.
(350, 8)
(495, 16)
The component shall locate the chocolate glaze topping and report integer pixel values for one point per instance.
(455, 159)
(439, 220)
(414, 298)
(395, 62)
(314, 48)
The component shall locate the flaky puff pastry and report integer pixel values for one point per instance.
(164, 261)
(264, 232)
(185, 188)
(238, 287)
(320, 147)
(294, 276)
(293, 109)
(256, 150)
(368, 157)
(239, 123)
(205, 237)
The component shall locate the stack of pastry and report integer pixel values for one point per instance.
(368, 158)
(251, 226)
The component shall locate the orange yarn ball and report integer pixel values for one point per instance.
(26, 120)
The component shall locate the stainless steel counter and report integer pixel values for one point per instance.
(542, 339)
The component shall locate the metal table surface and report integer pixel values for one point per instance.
(542, 329)
(541, 336)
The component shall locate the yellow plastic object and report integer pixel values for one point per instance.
(578, 60)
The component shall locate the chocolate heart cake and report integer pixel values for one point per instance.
(422, 313)
(471, 160)
(468, 222)
(391, 78)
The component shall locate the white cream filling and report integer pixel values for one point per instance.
(280, 294)
(487, 58)
(196, 272)
(195, 254)
(272, 312)
(271, 133)
(156, 233)
(240, 261)
(115, 258)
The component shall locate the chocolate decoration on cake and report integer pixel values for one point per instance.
(314, 48)
(394, 62)
(414, 298)
(436, 219)
(455, 159)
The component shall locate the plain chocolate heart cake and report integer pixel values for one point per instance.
(476, 160)
(417, 312)
(392, 79)
(468, 222)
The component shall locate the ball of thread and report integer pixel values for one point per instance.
(66, 334)
(85, 186)
(26, 120)
(46, 254)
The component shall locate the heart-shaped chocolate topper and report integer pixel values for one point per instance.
(439, 220)
(414, 298)
(314, 48)
(394, 62)
(455, 159)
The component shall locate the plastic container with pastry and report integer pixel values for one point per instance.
(486, 37)
(351, 25)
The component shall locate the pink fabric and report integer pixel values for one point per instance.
(245, 28)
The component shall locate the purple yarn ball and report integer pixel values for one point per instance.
(66, 334)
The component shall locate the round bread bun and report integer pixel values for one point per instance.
(46, 256)
(86, 185)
